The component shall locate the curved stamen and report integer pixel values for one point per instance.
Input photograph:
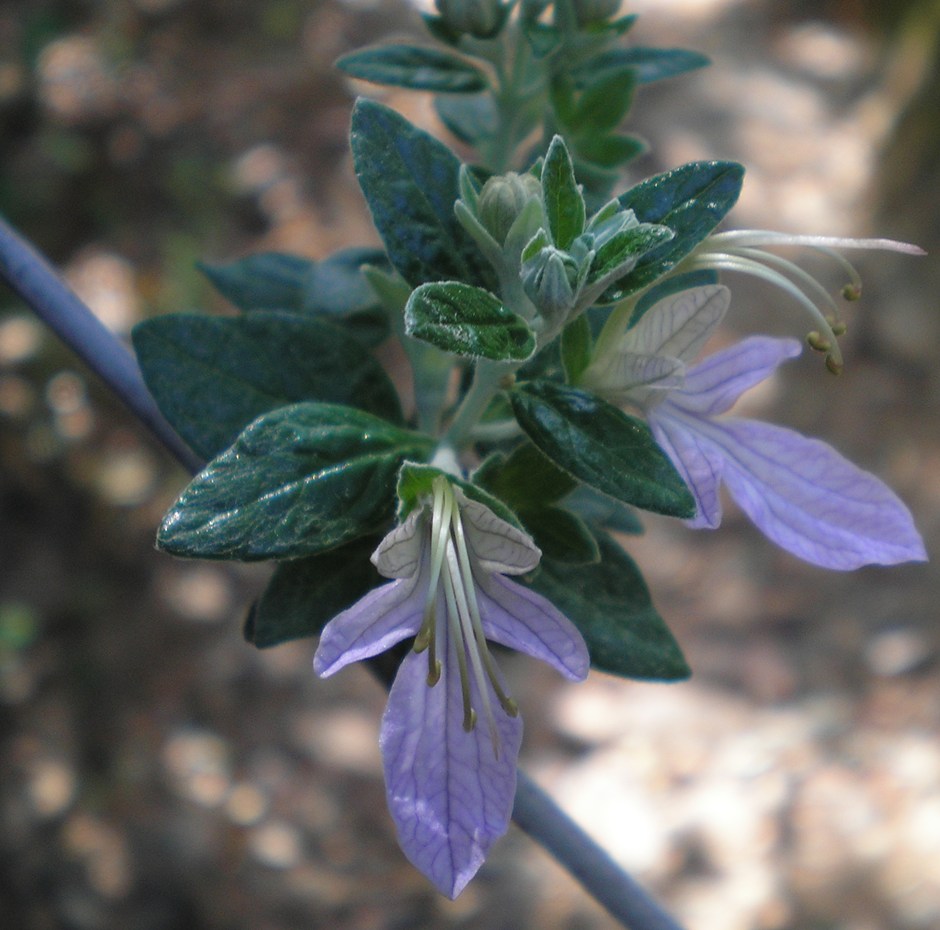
(761, 237)
(453, 622)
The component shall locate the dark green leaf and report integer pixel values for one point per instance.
(562, 536)
(543, 39)
(605, 101)
(467, 321)
(649, 64)
(601, 445)
(298, 481)
(691, 201)
(337, 286)
(410, 182)
(603, 511)
(211, 376)
(303, 595)
(672, 285)
(470, 118)
(576, 348)
(439, 28)
(525, 479)
(564, 205)
(415, 67)
(610, 604)
(266, 281)
(625, 246)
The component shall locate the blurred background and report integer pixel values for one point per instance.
(157, 772)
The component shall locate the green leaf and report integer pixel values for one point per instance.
(298, 481)
(605, 101)
(415, 67)
(211, 376)
(525, 479)
(600, 510)
(608, 151)
(266, 281)
(470, 118)
(561, 535)
(610, 604)
(467, 321)
(303, 595)
(410, 181)
(564, 205)
(672, 285)
(601, 446)
(576, 348)
(649, 64)
(416, 484)
(690, 200)
(626, 246)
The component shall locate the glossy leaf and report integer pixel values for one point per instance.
(564, 205)
(626, 246)
(303, 595)
(298, 481)
(611, 606)
(410, 181)
(415, 67)
(467, 321)
(576, 348)
(691, 201)
(211, 376)
(600, 445)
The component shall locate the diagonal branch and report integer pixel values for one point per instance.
(31, 277)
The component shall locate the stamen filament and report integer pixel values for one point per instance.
(453, 620)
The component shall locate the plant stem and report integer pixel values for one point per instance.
(486, 381)
(31, 277)
(535, 812)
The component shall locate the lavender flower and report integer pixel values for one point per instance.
(800, 492)
(450, 782)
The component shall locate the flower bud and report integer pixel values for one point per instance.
(594, 11)
(503, 199)
(481, 18)
(550, 281)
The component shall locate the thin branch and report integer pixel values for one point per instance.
(30, 276)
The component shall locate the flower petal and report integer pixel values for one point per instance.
(494, 544)
(383, 617)
(712, 386)
(808, 499)
(519, 618)
(398, 555)
(680, 324)
(449, 794)
(696, 460)
(634, 376)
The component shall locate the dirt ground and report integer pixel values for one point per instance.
(157, 772)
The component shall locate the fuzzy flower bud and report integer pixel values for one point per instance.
(502, 199)
(480, 18)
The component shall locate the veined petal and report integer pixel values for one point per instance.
(448, 793)
(680, 324)
(808, 499)
(712, 386)
(494, 544)
(634, 376)
(376, 622)
(398, 555)
(517, 617)
(696, 460)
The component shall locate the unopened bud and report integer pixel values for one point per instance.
(594, 11)
(480, 18)
(502, 199)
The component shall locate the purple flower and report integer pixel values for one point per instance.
(800, 492)
(450, 776)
